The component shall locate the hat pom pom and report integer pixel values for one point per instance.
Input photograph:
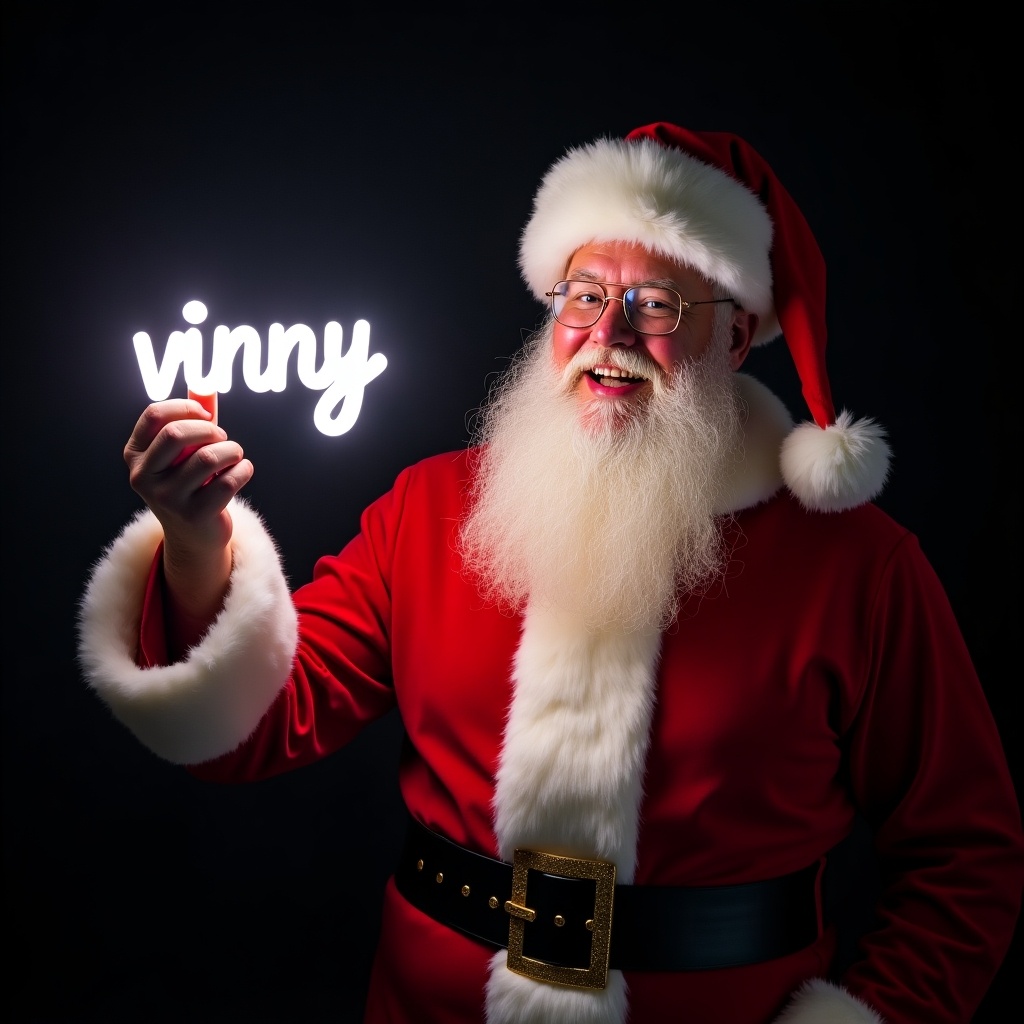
(837, 468)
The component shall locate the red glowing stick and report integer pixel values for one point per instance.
(208, 402)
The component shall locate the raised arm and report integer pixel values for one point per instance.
(189, 651)
(186, 469)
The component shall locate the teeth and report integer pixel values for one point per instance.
(612, 371)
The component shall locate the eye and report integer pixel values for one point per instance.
(582, 294)
(655, 302)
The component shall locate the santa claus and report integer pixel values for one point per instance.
(654, 648)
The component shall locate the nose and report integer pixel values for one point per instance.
(612, 327)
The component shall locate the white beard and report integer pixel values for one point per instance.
(605, 516)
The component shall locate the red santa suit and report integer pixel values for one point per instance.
(824, 677)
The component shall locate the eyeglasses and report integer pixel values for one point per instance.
(649, 309)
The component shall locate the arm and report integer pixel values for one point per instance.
(927, 768)
(182, 464)
(201, 685)
(235, 692)
(196, 707)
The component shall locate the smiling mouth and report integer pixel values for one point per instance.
(613, 377)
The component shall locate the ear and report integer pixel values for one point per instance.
(744, 326)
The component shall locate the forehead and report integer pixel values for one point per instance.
(628, 263)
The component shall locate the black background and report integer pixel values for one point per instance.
(286, 165)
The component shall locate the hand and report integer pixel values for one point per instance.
(186, 469)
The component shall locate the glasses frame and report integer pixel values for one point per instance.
(604, 286)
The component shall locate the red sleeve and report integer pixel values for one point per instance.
(152, 632)
(341, 678)
(927, 768)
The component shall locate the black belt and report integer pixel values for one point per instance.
(555, 915)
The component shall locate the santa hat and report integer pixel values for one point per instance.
(709, 200)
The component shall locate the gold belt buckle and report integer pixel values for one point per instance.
(596, 975)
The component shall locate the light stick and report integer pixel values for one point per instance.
(208, 400)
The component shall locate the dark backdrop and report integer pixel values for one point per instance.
(288, 166)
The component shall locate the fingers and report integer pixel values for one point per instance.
(157, 416)
(204, 493)
(174, 443)
(183, 465)
(180, 461)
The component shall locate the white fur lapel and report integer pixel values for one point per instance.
(570, 780)
(757, 475)
(572, 762)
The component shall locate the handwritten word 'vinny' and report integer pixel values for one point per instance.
(341, 378)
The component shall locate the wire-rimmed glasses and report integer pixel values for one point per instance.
(649, 309)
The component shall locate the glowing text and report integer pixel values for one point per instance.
(341, 378)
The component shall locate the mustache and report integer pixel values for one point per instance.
(628, 360)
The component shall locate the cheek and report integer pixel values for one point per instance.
(565, 343)
(668, 352)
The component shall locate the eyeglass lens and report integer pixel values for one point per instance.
(649, 310)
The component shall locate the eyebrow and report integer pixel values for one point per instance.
(582, 274)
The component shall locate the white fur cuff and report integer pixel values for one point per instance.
(209, 703)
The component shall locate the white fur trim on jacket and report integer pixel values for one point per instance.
(210, 702)
(766, 422)
(821, 1002)
(662, 198)
(575, 744)
(570, 780)
(513, 999)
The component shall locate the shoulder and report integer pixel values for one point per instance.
(843, 566)
(867, 523)
(857, 541)
(451, 465)
(443, 475)
(434, 487)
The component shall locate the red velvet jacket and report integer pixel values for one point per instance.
(826, 677)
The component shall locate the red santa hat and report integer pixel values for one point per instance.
(709, 200)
